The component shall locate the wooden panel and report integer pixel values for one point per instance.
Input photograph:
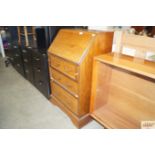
(102, 44)
(68, 83)
(71, 44)
(65, 67)
(63, 96)
(100, 83)
(133, 84)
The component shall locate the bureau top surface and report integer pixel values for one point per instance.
(140, 66)
(72, 44)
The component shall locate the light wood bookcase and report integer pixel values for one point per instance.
(123, 87)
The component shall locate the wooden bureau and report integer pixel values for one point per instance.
(70, 65)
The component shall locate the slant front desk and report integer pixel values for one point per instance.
(70, 64)
(123, 91)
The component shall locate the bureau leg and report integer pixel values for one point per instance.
(79, 122)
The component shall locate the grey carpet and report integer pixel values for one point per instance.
(22, 106)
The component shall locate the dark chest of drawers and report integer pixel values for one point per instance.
(36, 69)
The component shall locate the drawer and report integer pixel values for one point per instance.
(24, 51)
(28, 73)
(40, 84)
(66, 67)
(65, 81)
(65, 98)
(36, 61)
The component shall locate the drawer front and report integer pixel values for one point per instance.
(36, 61)
(65, 81)
(28, 73)
(65, 98)
(26, 57)
(64, 66)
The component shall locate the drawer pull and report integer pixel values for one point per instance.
(76, 95)
(27, 71)
(38, 70)
(24, 51)
(16, 55)
(18, 65)
(40, 83)
(25, 60)
(37, 59)
(76, 74)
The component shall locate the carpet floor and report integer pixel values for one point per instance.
(22, 106)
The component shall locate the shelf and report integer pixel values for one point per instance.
(111, 115)
(139, 66)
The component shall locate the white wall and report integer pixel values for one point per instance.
(101, 28)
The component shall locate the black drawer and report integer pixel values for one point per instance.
(41, 75)
(26, 55)
(29, 74)
(36, 61)
(42, 86)
(17, 60)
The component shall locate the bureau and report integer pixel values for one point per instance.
(70, 59)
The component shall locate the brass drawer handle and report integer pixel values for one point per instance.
(76, 95)
(51, 79)
(76, 74)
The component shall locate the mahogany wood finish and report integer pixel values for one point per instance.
(70, 65)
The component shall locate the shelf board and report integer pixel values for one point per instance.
(111, 117)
